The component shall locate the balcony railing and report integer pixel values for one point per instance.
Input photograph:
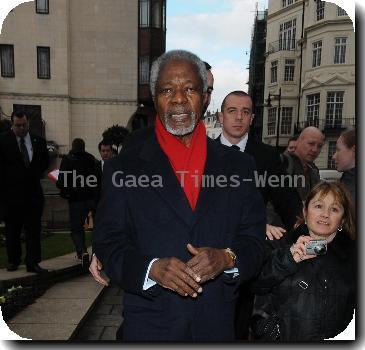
(329, 124)
(282, 45)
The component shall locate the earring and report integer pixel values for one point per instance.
(340, 228)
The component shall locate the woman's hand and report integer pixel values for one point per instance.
(298, 249)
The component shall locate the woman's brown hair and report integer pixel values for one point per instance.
(343, 197)
(349, 138)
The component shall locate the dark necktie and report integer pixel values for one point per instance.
(24, 152)
(235, 147)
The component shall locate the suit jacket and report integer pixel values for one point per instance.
(135, 224)
(17, 183)
(286, 201)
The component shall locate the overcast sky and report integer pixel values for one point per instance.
(219, 32)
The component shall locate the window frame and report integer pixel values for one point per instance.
(286, 120)
(317, 53)
(289, 70)
(320, 10)
(341, 12)
(334, 108)
(42, 12)
(313, 108)
(144, 71)
(12, 73)
(48, 50)
(342, 46)
(287, 35)
(271, 121)
(274, 71)
(144, 16)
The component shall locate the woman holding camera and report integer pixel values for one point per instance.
(306, 289)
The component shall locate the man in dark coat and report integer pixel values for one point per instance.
(178, 246)
(23, 159)
(236, 117)
(78, 183)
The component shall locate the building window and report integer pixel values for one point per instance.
(144, 13)
(144, 70)
(289, 70)
(271, 121)
(156, 14)
(340, 50)
(288, 2)
(274, 71)
(313, 103)
(341, 11)
(163, 15)
(7, 61)
(334, 109)
(287, 33)
(43, 62)
(331, 151)
(320, 9)
(42, 6)
(286, 120)
(317, 54)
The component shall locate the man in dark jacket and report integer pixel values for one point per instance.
(77, 181)
(23, 159)
(236, 117)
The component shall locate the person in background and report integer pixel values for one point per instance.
(309, 295)
(23, 160)
(301, 162)
(76, 168)
(345, 160)
(236, 117)
(292, 145)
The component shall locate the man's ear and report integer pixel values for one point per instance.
(252, 118)
(205, 98)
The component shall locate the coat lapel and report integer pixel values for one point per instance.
(213, 168)
(157, 163)
(15, 147)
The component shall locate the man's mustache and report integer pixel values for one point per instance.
(177, 111)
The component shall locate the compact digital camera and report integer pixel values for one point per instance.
(318, 247)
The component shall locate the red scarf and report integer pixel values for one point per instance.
(190, 160)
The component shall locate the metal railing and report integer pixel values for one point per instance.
(282, 45)
(329, 124)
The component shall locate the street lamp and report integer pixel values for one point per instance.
(278, 96)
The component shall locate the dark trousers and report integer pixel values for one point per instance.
(244, 308)
(27, 216)
(78, 211)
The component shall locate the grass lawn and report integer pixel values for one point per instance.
(59, 243)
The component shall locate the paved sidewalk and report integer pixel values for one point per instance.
(57, 313)
(104, 320)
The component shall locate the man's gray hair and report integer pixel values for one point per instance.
(180, 55)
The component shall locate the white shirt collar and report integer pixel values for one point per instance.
(242, 144)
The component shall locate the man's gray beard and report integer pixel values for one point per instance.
(181, 131)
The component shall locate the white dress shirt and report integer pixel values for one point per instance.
(242, 144)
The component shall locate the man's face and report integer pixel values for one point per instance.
(20, 126)
(105, 152)
(309, 146)
(209, 90)
(179, 97)
(236, 117)
(292, 146)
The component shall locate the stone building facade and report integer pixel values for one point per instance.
(79, 67)
(310, 70)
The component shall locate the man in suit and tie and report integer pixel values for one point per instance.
(236, 117)
(23, 159)
(171, 229)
